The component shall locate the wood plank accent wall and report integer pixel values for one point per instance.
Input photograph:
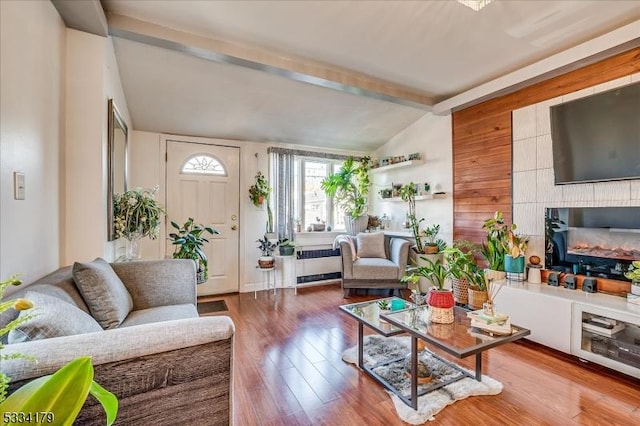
(482, 181)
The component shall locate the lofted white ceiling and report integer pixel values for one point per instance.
(438, 48)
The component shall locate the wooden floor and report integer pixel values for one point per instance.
(288, 371)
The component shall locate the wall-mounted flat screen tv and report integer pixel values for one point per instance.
(597, 138)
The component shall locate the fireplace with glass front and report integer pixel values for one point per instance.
(596, 241)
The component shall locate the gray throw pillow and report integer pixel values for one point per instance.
(103, 291)
(52, 317)
(371, 245)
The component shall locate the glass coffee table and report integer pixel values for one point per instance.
(369, 314)
(458, 339)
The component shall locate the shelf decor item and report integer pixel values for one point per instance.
(136, 215)
(188, 241)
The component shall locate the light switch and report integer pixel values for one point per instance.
(18, 186)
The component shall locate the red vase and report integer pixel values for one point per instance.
(440, 298)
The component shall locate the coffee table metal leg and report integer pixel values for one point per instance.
(414, 372)
(479, 366)
(360, 343)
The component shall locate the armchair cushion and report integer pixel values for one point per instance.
(51, 318)
(103, 291)
(373, 268)
(160, 313)
(371, 245)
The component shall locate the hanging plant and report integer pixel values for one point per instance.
(259, 192)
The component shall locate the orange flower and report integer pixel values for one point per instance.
(22, 304)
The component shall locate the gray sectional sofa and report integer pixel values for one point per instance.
(165, 364)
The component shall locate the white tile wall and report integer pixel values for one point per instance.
(524, 154)
(524, 187)
(533, 181)
(524, 123)
(544, 152)
(543, 123)
(612, 191)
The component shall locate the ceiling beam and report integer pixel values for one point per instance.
(86, 16)
(287, 66)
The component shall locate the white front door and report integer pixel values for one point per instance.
(203, 183)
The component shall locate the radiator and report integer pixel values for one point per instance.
(318, 264)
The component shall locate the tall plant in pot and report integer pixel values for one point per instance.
(439, 299)
(188, 240)
(494, 249)
(349, 187)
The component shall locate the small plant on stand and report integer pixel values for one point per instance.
(267, 247)
(286, 247)
(433, 244)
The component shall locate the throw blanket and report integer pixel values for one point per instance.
(347, 239)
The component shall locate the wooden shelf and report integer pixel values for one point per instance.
(418, 198)
(397, 165)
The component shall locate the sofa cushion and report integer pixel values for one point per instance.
(51, 318)
(102, 290)
(371, 245)
(161, 313)
(375, 269)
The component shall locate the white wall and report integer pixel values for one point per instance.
(431, 137)
(92, 78)
(147, 153)
(32, 66)
(533, 181)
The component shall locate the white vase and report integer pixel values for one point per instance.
(354, 226)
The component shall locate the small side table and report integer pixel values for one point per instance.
(270, 276)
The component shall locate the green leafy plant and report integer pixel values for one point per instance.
(61, 394)
(349, 186)
(408, 193)
(435, 271)
(430, 234)
(633, 273)
(462, 265)
(495, 247)
(266, 246)
(137, 214)
(259, 193)
(188, 241)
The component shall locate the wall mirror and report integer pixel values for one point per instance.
(117, 162)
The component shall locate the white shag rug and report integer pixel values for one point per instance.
(429, 404)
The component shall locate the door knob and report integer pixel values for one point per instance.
(234, 227)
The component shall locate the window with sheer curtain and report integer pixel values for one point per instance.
(296, 178)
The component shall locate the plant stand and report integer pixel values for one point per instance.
(268, 280)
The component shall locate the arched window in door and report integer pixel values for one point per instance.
(203, 164)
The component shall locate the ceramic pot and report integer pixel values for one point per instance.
(287, 250)
(440, 298)
(266, 262)
(430, 249)
(514, 264)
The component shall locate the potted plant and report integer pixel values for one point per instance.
(516, 248)
(433, 244)
(439, 299)
(259, 193)
(189, 241)
(286, 247)
(408, 194)
(349, 187)
(633, 273)
(477, 287)
(136, 215)
(460, 260)
(267, 247)
(494, 249)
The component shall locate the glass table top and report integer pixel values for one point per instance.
(458, 338)
(370, 312)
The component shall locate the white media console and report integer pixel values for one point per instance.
(596, 327)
